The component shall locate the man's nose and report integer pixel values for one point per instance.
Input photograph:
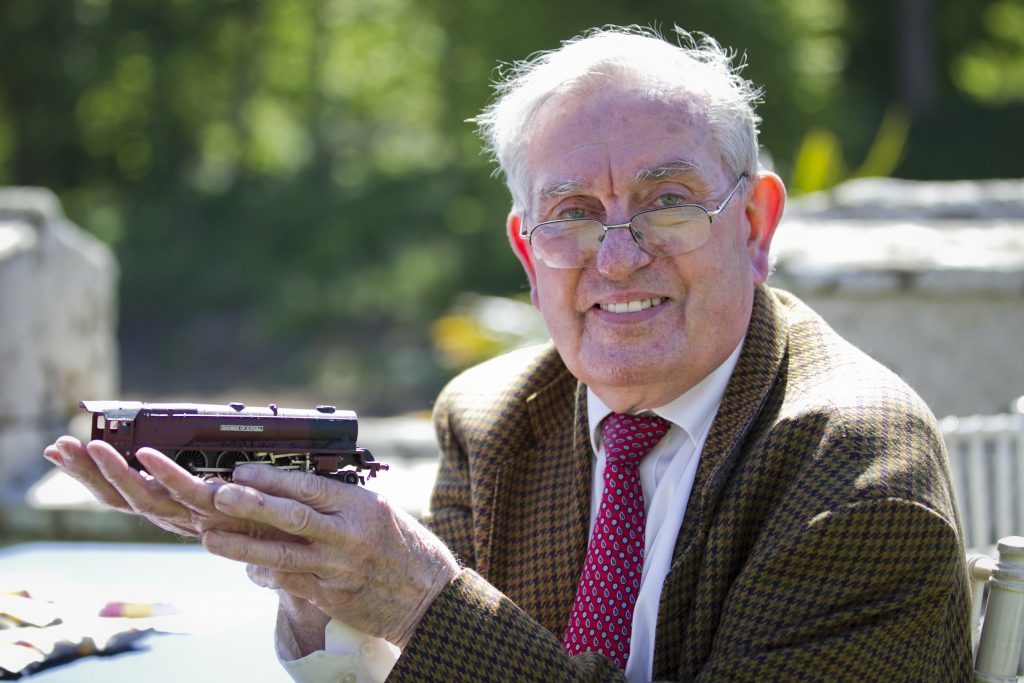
(619, 255)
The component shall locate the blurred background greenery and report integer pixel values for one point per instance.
(299, 206)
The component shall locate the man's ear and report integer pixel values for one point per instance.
(763, 212)
(522, 250)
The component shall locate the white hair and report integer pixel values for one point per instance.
(698, 71)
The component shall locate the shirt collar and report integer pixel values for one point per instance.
(693, 411)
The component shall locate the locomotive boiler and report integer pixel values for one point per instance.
(210, 440)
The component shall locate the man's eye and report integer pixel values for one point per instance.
(573, 213)
(666, 200)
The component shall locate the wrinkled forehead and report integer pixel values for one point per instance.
(626, 132)
(677, 103)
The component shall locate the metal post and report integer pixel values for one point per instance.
(1002, 634)
(979, 568)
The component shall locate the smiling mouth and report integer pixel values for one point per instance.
(631, 306)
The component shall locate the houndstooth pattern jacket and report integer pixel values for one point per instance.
(821, 541)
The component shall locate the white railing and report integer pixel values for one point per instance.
(986, 458)
(997, 592)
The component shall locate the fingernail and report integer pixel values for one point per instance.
(55, 459)
(65, 453)
(243, 473)
(211, 539)
(228, 495)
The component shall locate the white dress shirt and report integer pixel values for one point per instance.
(666, 477)
(349, 656)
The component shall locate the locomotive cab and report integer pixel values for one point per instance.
(114, 429)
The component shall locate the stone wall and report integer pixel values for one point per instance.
(927, 277)
(57, 329)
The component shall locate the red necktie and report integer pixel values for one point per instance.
(602, 614)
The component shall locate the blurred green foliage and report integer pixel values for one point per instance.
(294, 194)
(819, 163)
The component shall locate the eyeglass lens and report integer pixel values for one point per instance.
(668, 232)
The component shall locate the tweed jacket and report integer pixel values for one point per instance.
(821, 540)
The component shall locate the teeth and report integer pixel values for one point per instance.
(632, 306)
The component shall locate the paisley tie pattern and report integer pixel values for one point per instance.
(602, 614)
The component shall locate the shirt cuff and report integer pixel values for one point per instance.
(349, 655)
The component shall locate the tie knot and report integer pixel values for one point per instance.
(629, 438)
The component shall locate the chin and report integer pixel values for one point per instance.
(631, 371)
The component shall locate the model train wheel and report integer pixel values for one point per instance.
(228, 459)
(350, 477)
(191, 460)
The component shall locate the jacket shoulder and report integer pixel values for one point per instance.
(857, 430)
(824, 367)
(491, 400)
(509, 378)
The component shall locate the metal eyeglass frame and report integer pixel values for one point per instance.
(636, 234)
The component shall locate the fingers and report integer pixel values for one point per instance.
(297, 584)
(53, 454)
(320, 493)
(290, 516)
(63, 451)
(261, 576)
(367, 563)
(189, 501)
(143, 495)
(77, 462)
(272, 555)
(180, 484)
(160, 466)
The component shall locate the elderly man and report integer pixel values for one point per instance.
(698, 480)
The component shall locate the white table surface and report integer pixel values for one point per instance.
(226, 623)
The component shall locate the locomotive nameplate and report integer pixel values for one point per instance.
(241, 428)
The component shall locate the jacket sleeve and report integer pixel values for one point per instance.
(472, 631)
(875, 590)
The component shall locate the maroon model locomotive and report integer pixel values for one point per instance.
(209, 440)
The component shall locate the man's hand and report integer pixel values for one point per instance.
(356, 559)
(301, 627)
(167, 496)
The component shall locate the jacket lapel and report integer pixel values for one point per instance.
(542, 506)
(748, 389)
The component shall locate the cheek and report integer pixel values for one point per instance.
(731, 263)
(555, 296)
(554, 284)
(749, 258)
(716, 281)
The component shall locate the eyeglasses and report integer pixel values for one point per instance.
(669, 231)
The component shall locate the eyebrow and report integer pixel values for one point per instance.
(671, 169)
(562, 188)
